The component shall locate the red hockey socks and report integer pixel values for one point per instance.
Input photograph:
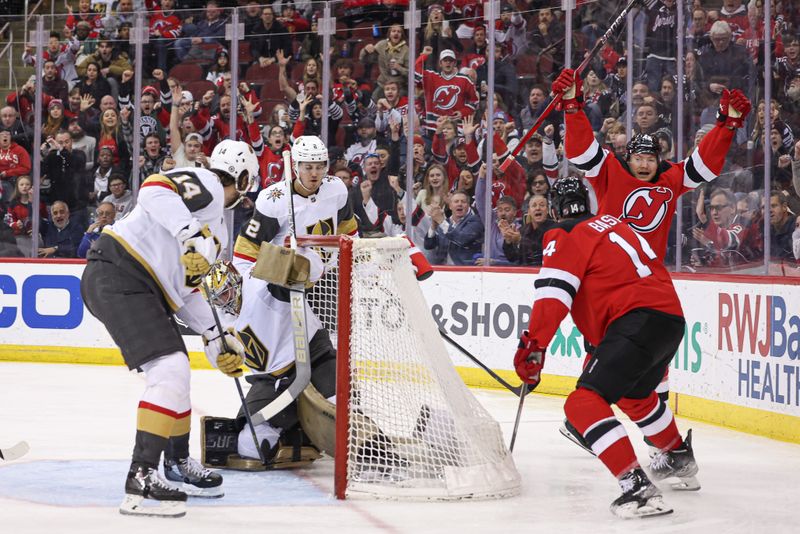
(654, 418)
(591, 415)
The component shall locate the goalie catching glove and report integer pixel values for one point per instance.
(529, 360)
(229, 360)
(570, 86)
(199, 248)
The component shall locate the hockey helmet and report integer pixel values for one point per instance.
(225, 287)
(235, 162)
(309, 148)
(643, 144)
(570, 198)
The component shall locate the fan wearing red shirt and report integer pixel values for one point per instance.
(621, 297)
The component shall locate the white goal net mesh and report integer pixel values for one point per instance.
(416, 431)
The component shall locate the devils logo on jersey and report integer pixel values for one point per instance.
(645, 208)
(446, 96)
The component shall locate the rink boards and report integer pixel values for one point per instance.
(738, 364)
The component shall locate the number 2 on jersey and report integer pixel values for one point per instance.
(641, 269)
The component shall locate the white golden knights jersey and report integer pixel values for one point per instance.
(167, 203)
(264, 322)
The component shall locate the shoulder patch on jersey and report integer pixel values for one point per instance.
(328, 178)
(568, 224)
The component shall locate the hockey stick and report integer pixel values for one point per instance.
(13, 453)
(236, 378)
(522, 394)
(465, 352)
(557, 98)
(299, 335)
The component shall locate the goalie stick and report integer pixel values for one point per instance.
(298, 310)
(15, 452)
(612, 29)
(236, 378)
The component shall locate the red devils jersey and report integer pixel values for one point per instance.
(598, 269)
(648, 207)
(444, 96)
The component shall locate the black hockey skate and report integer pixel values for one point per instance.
(194, 479)
(147, 493)
(572, 434)
(640, 498)
(677, 464)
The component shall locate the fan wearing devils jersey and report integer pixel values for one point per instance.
(643, 191)
(447, 93)
(621, 297)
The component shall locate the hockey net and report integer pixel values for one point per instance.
(406, 425)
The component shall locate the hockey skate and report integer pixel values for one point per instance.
(572, 434)
(194, 479)
(677, 464)
(378, 462)
(148, 493)
(640, 498)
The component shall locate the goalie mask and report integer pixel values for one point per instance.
(308, 148)
(236, 163)
(225, 286)
(570, 198)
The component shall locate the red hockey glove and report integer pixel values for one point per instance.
(570, 86)
(738, 108)
(529, 360)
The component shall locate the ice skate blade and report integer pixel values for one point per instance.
(201, 493)
(684, 483)
(135, 505)
(633, 510)
(567, 434)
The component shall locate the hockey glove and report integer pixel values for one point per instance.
(529, 360)
(228, 361)
(570, 86)
(199, 249)
(734, 107)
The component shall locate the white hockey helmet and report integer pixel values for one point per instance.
(237, 162)
(308, 148)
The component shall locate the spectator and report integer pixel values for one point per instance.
(55, 118)
(646, 119)
(210, 30)
(661, 43)
(455, 153)
(383, 193)
(52, 84)
(292, 19)
(596, 97)
(525, 246)
(65, 170)
(8, 246)
(735, 15)
(111, 64)
(725, 59)
(435, 184)
(697, 37)
(82, 142)
(165, 27)
(84, 14)
(454, 240)
(787, 66)
(538, 100)
(503, 221)
(101, 174)
(726, 240)
(221, 66)
(14, 161)
(19, 212)
(270, 36)
(93, 83)
(365, 145)
(23, 100)
(119, 195)
(511, 30)
(391, 107)
(20, 134)
(438, 36)
(782, 223)
(153, 159)
(392, 59)
(63, 235)
(104, 215)
(446, 93)
(109, 133)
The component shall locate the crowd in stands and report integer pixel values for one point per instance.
(186, 106)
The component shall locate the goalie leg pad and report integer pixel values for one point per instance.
(219, 436)
(294, 449)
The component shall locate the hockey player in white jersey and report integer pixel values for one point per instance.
(321, 207)
(143, 272)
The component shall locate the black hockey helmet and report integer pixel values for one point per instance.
(570, 198)
(643, 144)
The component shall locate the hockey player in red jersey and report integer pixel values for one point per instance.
(621, 297)
(642, 190)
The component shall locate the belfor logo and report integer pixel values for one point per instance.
(757, 324)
